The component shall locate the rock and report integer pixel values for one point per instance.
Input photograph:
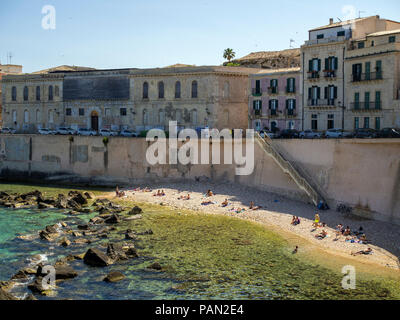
(88, 195)
(131, 253)
(130, 235)
(65, 242)
(30, 297)
(155, 266)
(72, 204)
(115, 252)
(63, 224)
(114, 276)
(62, 270)
(113, 219)
(95, 258)
(145, 232)
(79, 256)
(37, 286)
(19, 275)
(43, 205)
(85, 210)
(97, 220)
(6, 296)
(78, 197)
(73, 212)
(135, 210)
(6, 285)
(61, 202)
(136, 217)
(51, 229)
(82, 241)
(48, 236)
(83, 227)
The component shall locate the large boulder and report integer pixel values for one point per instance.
(78, 197)
(43, 205)
(114, 276)
(72, 204)
(63, 272)
(155, 266)
(115, 252)
(113, 219)
(135, 210)
(95, 258)
(61, 202)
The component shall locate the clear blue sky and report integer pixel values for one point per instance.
(157, 33)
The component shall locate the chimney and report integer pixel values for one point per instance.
(330, 21)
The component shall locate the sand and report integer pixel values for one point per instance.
(277, 213)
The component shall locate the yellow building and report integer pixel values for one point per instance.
(4, 70)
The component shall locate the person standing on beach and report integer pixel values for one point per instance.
(316, 220)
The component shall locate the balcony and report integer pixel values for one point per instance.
(313, 75)
(273, 113)
(256, 113)
(290, 113)
(290, 90)
(366, 106)
(273, 90)
(256, 92)
(366, 76)
(330, 74)
(321, 103)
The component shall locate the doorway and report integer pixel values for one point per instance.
(95, 120)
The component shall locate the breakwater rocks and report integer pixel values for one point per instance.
(101, 242)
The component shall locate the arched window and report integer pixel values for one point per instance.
(177, 90)
(194, 89)
(26, 116)
(161, 90)
(38, 118)
(26, 93)
(194, 117)
(145, 117)
(14, 93)
(56, 91)
(38, 93)
(161, 117)
(50, 92)
(50, 116)
(145, 90)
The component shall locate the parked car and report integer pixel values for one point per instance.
(8, 130)
(347, 134)
(289, 134)
(389, 133)
(46, 131)
(270, 134)
(310, 134)
(108, 133)
(86, 132)
(128, 133)
(65, 130)
(365, 133)
(334, 133)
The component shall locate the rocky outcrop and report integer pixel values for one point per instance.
(95, 258)
(114, 276)
(4, 295)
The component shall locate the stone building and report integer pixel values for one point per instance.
(4, 70)
(275, 99)
(324, 74)
(138, 99)
(372, 66)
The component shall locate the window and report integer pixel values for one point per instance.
(357, 100)
(392, 39)
(331, 63)
(177, 90)
(107, 112)
(357, 71)
(331, 95)
(331, 121)
(372, 43)
(122, 112)
(368, 71)
(314, 94)
(257, 106)
(320, 36)
(291, 85)
(145, 90)
(161, 90)
(341, 33)
(81, 111)
(361, 45)
(26, 116)
(26, 93)
(38, 118)
(194, 89)
(366, 123)
(38, 93)
(366, 102)
(14, 94)
(273, 106)
(50, 92)
(56, 91)
(314, 122)
(68, 112)
(378, 68)
(356, 123)
(14, 116)
(290, 106)
(377, 123)
(50, 116)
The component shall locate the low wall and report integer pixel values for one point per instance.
(361, 173)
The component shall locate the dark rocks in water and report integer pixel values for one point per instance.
(88, 195)
(30, 297)
(130, 235)
(62, 272)
(83, 227)
(76, 234)
(95, 258)
(44, 235)
(82, 241)
(78, 197)
(19, 275)
(37, 286)
(135, 210)
(115, 252)
(61, 202)
(33, 194)
(97, 220)
(43, 205)
(147, 232)
(72, 204)
(4, 295)
(155, 266)
(65, 242)
(113, 219)
(131, 253)
(114, 276)
(51, 229)
(135, 217)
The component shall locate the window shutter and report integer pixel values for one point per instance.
(254, 104)
(270, 104)
(318, 93)
(319, 64)
(336, 63)
(288, 85)
(294, 103)
(260, 104)
(326, 63)
(335, 90)
(310, 65)
(326, 93)
(309, 93)
(287, 103)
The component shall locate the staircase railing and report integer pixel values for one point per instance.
(288, 168)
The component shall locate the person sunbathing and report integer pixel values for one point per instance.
(347, 231)
(206, 203)
(225, 203)
(253, 207)
(209, 193)
(293, 220)
(162, 194)
(321, 235)
(365, 252)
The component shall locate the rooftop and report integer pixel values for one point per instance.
(383, 33)
(277, 71)
(342, 23)
(63, 68)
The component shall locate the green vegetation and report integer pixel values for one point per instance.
(229, 54)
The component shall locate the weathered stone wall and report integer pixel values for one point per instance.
(362, 173)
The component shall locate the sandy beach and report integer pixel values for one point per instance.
(277, 213)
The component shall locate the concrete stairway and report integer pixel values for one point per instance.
(267, 145)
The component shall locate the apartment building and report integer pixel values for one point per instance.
(4, 70)
(275, 99)
(324, 72)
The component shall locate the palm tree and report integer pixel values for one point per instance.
(229, 54)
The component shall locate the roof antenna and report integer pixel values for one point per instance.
(359, 14)
(340, 20)
(9, 57)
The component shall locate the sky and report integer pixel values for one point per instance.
(156, 33)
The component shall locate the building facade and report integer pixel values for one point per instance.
(325, 74)
(4, 70)
(138, 99)
(275, 99)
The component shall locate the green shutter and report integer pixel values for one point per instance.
(335, 90)
(326, 93)
(309, 93)
(319, 64)
(318, 93)
(336, 63)
(326, 63)
(310, 65)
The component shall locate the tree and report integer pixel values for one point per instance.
(229, 54)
